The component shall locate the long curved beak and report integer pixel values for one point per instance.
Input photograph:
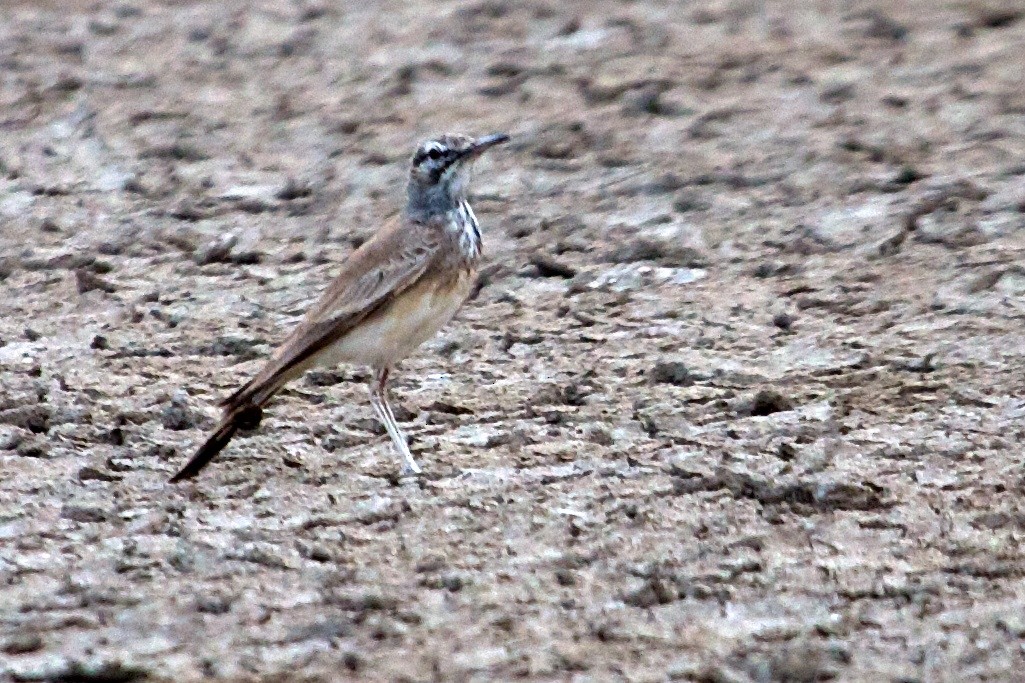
(486, 142)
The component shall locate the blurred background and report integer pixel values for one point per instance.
(738, 398)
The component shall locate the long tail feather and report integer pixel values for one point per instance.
(242, 410)
(247, 417)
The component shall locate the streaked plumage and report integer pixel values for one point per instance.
(393, 293)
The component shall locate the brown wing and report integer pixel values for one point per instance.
(380, 269)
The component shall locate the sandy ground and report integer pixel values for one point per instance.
(740, 398)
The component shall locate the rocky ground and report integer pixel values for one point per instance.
(740, 398)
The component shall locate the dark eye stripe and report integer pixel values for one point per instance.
(434, 153)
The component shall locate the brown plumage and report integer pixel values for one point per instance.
(393, 293)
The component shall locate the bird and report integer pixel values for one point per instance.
(393, 293)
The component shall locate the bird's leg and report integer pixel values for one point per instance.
(379, 401)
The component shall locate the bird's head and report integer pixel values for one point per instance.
(440, 169)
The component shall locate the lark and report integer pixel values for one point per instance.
(394, 292)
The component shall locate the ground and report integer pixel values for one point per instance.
(739, 398)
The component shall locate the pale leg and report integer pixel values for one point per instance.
(379, 401)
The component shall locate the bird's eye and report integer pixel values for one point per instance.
(435, 153)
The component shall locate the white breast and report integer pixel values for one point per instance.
(464, 222)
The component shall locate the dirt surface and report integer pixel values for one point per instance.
(740, 398)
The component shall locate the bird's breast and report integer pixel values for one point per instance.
(464, 224)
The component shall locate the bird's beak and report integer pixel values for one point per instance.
(485, 142)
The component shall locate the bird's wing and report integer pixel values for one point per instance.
(383, 267)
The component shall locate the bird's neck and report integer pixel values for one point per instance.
(447, 204)
(433, 201)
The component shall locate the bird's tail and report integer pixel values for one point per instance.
(242, 410)
(245, 417)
